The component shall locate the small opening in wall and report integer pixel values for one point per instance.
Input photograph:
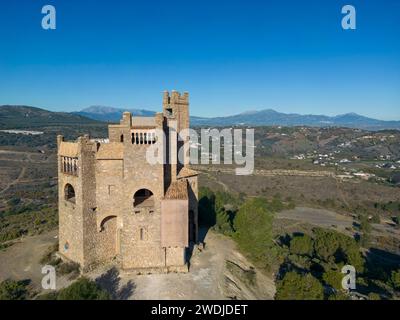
(66, 246)
(169, 112)
(69, 193)
(121, 138)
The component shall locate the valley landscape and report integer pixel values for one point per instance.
(345, 180)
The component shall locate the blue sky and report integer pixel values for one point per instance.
(232, 56)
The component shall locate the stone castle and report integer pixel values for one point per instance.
(114, 206)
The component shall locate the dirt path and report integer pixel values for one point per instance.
(20, 176)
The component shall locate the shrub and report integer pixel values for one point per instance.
(374, 296)
(83, 289)
(47, 296)
(13, 290)
(69, 268)
(395, 279)
(48, 257)
(339, 295)
(333, 278)
(365, 225)
(299, 287)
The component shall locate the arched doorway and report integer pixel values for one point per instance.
(108, 238)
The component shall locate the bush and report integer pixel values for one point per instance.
(302, 245)
(374, 296)
(299, 287)
(72, 268)
(13, 290)
(48, 257)
(339, 296)
(365, 225)
(47, 296)
(83, 289)
(395, 279)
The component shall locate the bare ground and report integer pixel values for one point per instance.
(209, 276)
(21, 260)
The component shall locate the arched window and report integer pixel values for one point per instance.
(143, 198)
(69, 193)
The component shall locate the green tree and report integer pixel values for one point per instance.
(253, 225)
(325, 244)
(13, 290)
(334, 247)
(83, 289)
(294, 286)
(302, 245)
(223, 223)
(333, 278)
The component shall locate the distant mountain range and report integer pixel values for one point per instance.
(111, 114)
(270, 117)
(266, 117)
(24, 117)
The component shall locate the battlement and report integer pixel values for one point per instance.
(175, 97)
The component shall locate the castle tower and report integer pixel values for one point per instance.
(115, 206)
(76, 189)
(176, 111)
